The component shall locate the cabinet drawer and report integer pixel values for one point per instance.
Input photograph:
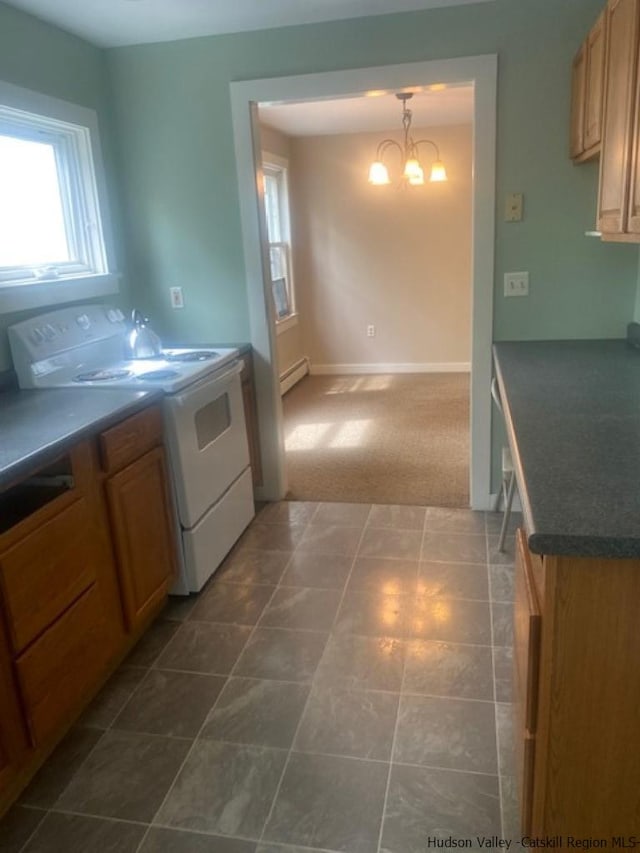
(526, 635)
(130, 439)
(46, 571)
(58, 671)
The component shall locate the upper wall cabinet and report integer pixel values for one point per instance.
(619, 188)
(587, 94)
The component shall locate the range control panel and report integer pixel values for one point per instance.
(48, 342)
(60, 330)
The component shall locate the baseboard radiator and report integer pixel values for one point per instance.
(293, 374)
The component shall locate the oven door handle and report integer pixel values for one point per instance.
(202, 391)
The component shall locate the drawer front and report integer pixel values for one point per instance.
(526, 630)
(130, 439)
(46, 571)
(58, 672)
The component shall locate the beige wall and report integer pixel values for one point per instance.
(275, 142)
(398, 259)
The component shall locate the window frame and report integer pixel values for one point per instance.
(278, 167)
(73, 131)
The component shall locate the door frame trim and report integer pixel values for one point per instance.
(482, 72)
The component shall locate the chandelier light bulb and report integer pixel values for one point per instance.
(412, 169)
(378, 174)
(438, 172)
(416, 179)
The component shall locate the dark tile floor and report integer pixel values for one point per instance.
(342, 684)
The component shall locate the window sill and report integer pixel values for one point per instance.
(41, 294)
(286, 324)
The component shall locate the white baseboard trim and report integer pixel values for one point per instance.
(293, 374)
(429, 367)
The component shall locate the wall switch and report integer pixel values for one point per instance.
(513, 208)
(516, 284)
(177, 299)
(371, 331)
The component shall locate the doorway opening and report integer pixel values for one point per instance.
(372, 294)
(480, 72)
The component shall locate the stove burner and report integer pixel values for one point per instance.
(193, 355)
(159, 375)
(103, 375)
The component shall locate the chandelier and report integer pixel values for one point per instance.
(413, 173)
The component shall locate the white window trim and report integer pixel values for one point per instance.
(281, 164)
(75, 282)
(287, 323)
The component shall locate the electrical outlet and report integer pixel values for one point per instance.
(516, 284)
(177, 299)
(371, 331)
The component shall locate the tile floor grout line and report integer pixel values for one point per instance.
(493, 669)
(106, 818)
(464, 770)
(397, 720)
(306, 704)
(393, 742)
(35, 829)
(200, 730)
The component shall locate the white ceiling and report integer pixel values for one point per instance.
(380, 111)
(112, 23)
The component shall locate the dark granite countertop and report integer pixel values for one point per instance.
(572, 410)
(35, 426)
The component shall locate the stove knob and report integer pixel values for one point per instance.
(36, 336)
(83, 321)
(49, 332)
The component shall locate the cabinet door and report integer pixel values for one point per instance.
(578, 87)
(620, 76)
(13, 740)
(526, 660)
(143, 531)
(594, 84)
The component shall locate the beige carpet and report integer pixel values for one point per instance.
(392, 439)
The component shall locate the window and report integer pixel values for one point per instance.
(276, 202)
(53, 240)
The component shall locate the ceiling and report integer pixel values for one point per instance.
(113, 23)
(380, 111)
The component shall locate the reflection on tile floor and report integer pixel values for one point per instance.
(342, 684)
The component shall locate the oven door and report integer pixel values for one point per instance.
(207, 440)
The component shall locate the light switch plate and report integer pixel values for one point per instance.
(516, 284)
(177, 298)
(513, 208)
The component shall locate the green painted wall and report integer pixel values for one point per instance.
(173, 114)
(171, 152)
(38, 56)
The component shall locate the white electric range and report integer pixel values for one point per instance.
(205, 429)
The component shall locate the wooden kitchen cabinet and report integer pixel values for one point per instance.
(577, 694)
(87, 551)
(618, 190)
(60, 608)
(141, 514)
(526, 672)
(13, 739)
(587, 94)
